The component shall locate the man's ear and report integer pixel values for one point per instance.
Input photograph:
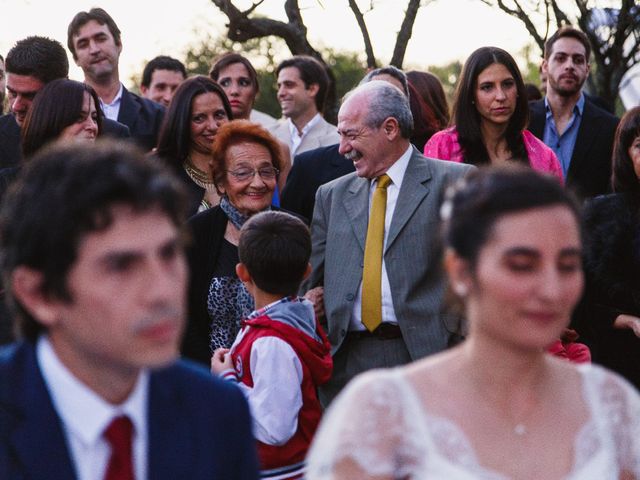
(143, 90)
(391, 128)
(26, 287)
(243, 273)
(545, 66)
(313, 89)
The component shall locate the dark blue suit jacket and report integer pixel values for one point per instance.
(310, 170)
(590, 168)
(143, 117)
(199, 427)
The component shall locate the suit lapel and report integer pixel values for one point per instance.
(356, 204)
(414, 189)
(537, 118)
(129, 110)
(170, 439)
(38, 441)
(587, 134)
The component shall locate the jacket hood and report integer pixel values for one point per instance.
(296, 322)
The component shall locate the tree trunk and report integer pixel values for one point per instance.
(404, 35)
(368, 47)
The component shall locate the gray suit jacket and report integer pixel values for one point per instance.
(412, 255)
(322, 134)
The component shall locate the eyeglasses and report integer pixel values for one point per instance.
(244, 174)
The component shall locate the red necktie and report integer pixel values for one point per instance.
(118, 434)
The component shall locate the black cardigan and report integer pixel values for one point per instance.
(612, 268)
(207, 231)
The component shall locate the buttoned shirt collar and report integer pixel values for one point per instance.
(397, 170)
(296, 138)
(563, 144)
(112, 110)
(579, 106)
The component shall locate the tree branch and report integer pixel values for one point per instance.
(242, 28)
(368, 47)
(561, 17)
(404, 35)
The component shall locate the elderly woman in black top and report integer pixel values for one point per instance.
(245, 165)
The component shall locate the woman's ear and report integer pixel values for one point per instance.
(458, 272)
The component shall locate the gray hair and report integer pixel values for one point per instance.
(392, 72)
(384, 101)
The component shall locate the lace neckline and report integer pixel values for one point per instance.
(586, 444)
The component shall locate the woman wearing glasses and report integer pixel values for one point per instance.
(245, 166)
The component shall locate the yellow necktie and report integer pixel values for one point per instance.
(372, 274)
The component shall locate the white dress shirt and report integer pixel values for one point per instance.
(85, 416)
(275, 398)
(112, 110)
(396, 173)
(296, 138)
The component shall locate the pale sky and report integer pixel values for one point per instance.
(445, 30)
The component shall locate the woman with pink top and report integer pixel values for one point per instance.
(491, 112)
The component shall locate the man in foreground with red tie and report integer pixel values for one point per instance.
(374, 235)
(92, 256)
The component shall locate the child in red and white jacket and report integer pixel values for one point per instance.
(281, 354)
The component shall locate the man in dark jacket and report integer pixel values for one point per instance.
(94, 41)
(580, 133)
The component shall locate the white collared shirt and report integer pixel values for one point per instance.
(296, 139)
(396, 173)
(112, 110)
(85, 416)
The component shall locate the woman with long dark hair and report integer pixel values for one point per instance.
(63, 109)
(491, 114)
(198, 108)
(428, 86)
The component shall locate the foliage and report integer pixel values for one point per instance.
(348, 69)
(613, 29)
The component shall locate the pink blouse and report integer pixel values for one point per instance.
(444, 145)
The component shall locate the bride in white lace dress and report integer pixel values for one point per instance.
(495, 407)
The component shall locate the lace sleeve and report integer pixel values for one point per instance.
(617, 410)
(369, 432)
(621, 403)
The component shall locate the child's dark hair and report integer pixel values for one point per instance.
(275, 248)
(472, 208)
